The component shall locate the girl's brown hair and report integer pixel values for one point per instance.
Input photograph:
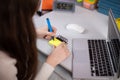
(18, 36)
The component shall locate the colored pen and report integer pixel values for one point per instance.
(49, 27)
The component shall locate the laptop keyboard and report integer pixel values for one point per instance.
(114, 46)
(99, 58)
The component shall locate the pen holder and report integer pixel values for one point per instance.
(90, 4)
(79, 2)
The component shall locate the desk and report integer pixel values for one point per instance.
(95, 24)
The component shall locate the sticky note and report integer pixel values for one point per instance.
(55, 42)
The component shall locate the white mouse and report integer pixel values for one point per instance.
(75, 27)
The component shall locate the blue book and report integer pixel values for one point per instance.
(113, 1)
(110, 5)
(110, 2)
(105, 11)
(107, 8)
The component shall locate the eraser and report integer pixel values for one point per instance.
(63, 39)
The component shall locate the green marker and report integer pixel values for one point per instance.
(91, 0)
(79, 1)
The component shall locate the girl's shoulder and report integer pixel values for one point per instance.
(8, 70)
(4, 57)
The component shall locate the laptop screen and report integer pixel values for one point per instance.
(114, 38)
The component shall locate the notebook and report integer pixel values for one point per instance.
(97, 59)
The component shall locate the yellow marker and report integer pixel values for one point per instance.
(118, 23)
(55, 42)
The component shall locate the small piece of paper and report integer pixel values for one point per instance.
(55, 42)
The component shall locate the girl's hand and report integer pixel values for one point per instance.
(58, 54)
(43, 32)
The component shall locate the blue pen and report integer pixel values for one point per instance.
(49, 27)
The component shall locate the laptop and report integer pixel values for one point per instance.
(97, 59)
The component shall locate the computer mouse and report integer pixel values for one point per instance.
(75, 27)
